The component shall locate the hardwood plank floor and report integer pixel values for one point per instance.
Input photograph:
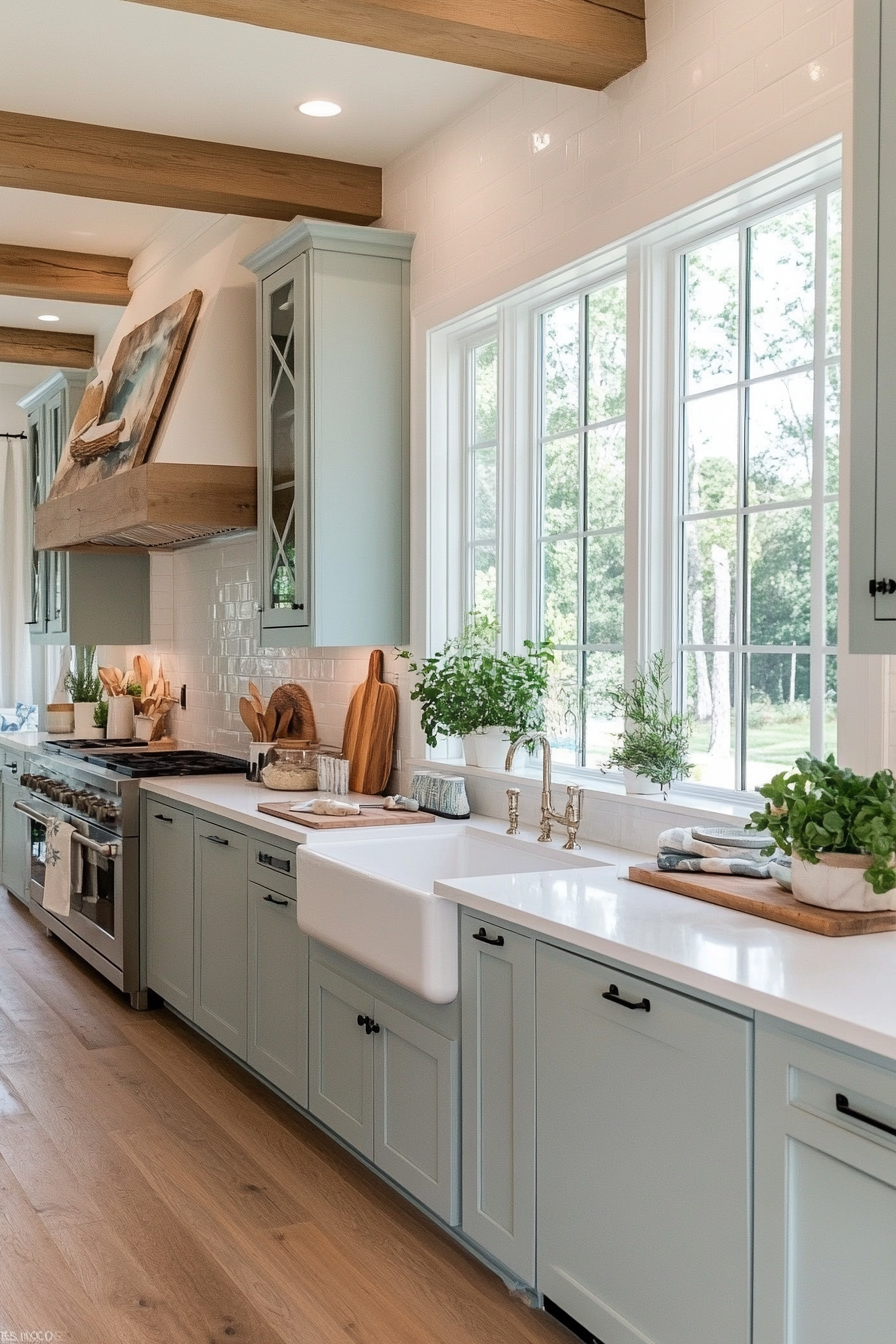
(152, 1192)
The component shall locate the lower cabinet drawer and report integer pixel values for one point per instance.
(278, 993)
(272, 866)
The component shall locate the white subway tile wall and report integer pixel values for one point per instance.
(540, 174)
(204, 627)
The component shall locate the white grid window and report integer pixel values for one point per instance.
(758, 446)
(482, 477)
(581, 515)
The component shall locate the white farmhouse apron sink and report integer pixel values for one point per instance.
(373, 900)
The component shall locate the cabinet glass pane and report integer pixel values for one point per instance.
(37, 564)
(281, 356)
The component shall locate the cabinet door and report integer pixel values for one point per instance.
(340, 1056)
(284, 477)
(14, 870)
(644, 1189)
(56, 422)
(37, 568)
(221, 935)
(415, 1113)
(278, 993)
(168, 837)
(498, 1053)
(825, 1195)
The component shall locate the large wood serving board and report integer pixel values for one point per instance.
(370, 816)
(369, 734)
(763, 897)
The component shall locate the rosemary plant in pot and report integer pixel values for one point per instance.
(83, 685)
(652, 750)
(489, 699)
(840, 829)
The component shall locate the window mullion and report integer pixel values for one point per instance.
(817, 566)
(741, 577)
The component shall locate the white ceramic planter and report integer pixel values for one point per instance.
(640, 783)
(837, 882)
(84, 724)
(121, 716)
(487, 748)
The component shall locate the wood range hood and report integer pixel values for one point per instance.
(156, 506)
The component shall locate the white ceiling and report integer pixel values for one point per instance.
(122, 64)
(115, 63)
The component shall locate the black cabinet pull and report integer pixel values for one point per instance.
(613, 995)
(160, 816)
(271, 861)
(844, 1108)
(371, 1027)
(482, 937)
(217, 840)
(275, 900)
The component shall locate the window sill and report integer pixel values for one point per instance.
(703, 804)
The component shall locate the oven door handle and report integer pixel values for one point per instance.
(107, 851)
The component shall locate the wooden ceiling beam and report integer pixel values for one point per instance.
(42, 154)
(76, 277)
(586, 43)
(56, 349)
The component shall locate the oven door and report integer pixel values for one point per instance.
(97, 910)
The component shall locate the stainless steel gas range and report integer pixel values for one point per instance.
(96, 788)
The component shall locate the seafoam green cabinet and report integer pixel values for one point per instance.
(167, 839)
(278, 992)
(221, 934)
(76, 597)
(498, 1074)
(333, 385)
(15, 830)
(387, 1084)
(644, 1157)
(825, 1205)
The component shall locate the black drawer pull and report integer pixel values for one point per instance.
(275, 900)
(613, 995)
(371, 1027)
(160, 816)
(217, 840)
(482, 937)
(271, 861)
(844, 1108)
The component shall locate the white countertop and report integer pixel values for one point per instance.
(842, 987)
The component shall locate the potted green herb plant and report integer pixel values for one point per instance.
(840, 829)
(653, 748)
(489, 699)
(84, 687)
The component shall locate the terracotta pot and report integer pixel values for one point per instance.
(837, 882)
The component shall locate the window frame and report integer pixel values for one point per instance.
(647, 257)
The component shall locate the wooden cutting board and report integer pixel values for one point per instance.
(763, 897)
(369, 817)
(369, 734)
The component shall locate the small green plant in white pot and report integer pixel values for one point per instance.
(653, 749)
(84, 687)
(488, 699)
(840, 829)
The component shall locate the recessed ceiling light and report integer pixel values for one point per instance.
(319, 107)
(48, 317)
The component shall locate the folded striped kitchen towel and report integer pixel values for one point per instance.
(691, 849)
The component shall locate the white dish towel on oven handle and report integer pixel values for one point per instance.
(64, 867)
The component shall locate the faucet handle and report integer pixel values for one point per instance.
(572, 815)
(513, 811)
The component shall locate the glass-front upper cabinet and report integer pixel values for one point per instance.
(37, 568)
(284, 478)
(56, 424)
(333, 325)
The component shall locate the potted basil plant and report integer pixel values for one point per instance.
(84, 687)
(488, 699)
(840, 829)
(653, 749)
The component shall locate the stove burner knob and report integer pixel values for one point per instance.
(67, 797)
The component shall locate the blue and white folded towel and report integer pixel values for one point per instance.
(722, 849)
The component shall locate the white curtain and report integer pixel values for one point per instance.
(15, 546)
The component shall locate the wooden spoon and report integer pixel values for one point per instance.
(283, 724)
(144, 673)
(256, 697)
(270, 724)
(249, 717)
